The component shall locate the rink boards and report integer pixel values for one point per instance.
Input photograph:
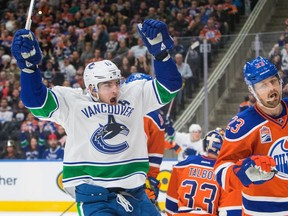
(36, 186)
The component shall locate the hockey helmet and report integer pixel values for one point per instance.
(213, 140)
(257, 70)
(195, 128)
(137, 76)
(100, 71)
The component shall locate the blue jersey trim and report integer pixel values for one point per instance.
(109, 163)
(104, 180)
(264, 206)
(154, 115)
(197, 160)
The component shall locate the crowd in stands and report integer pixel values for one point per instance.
(279, 56)
(73, 33)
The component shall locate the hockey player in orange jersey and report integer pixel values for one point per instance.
(255, 145)
(193, 189)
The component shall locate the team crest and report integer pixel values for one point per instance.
(265, 135)
(279, 152)
(100, 138)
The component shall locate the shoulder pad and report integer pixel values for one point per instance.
(157, 118)
(243, 123)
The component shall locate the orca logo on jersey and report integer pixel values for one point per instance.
(279, 152)
(106, 132)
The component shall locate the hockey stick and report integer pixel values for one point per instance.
(170, 108)
(69, 207)
(29, 15)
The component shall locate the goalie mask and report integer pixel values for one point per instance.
(213, 140)
(98, 72)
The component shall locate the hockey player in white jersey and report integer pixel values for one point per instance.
(105, 159)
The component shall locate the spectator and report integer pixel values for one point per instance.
(34, 149)
(139, 49)
(68, 69)
(10, 151)
(186, 74)
(50, 71)
(141, 64)
(211, 33)
(123, 49)
(131, 40)
(20, 113)
(87, 52)
(180, 25)
(112, 44)
(61, 135)
(6, 113)
(249, 101)
(125, 67)
(100, 38)
(221, 19)
(75, 59)
(178, 48)
(122, 34)
(97, 56)
(55, 151)
(30, 125)
(284, 54)
(213, 37)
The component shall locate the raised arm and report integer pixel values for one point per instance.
(156, 37)
(34, 94)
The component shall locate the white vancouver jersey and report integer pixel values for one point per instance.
(98, 150)
(184, 141)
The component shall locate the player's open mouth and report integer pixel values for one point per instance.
(113, 100)
(273, 96)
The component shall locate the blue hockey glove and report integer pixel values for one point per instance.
(26, 50)
(190, 151)
(156, 38)
(169, 129)
(152, 188)
(255, 169)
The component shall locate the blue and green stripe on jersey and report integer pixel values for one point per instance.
(104, 171)
(163, 94)
(48, 108)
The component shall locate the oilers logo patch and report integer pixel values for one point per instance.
(279, 152)
(101, 138)
(265, 135)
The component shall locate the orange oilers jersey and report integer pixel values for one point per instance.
(193, 186)
(252, 132)
(154, 129)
